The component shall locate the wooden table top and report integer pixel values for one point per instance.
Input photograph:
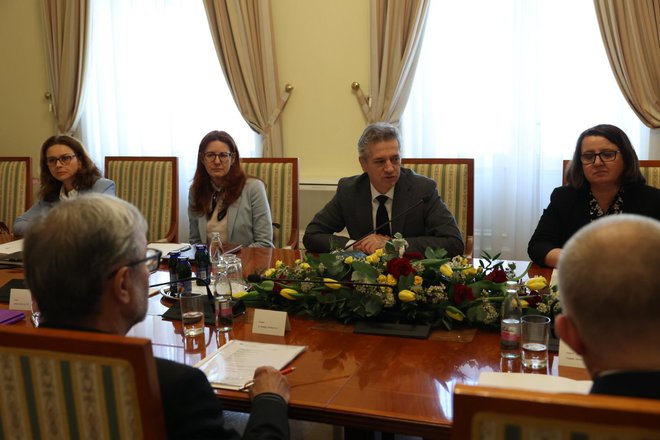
(380, 383)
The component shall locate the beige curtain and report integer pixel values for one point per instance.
(66, 40)
(631, 33)
(397, 27)
(242, 33)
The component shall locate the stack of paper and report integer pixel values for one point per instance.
(232, 365)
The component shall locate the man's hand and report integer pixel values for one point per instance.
(270, 380)
(370, 243)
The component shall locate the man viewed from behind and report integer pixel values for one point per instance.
(87, 265)
(608, 286)
(384, 192)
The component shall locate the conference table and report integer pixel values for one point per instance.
(359, 381)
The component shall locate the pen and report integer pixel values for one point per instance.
(249, 383)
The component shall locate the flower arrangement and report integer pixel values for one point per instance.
(392, 285)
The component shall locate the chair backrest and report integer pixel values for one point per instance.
(280, 175)
(15, 188)
(650, 170)
(70, 384)
(455, 179)
(151, 184)
(497, 413)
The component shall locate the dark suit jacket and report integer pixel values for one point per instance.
(429, 224)
(568, 211)
(192, 410)
(629, 383)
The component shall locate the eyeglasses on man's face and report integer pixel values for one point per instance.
(64, 159)
(151, 261)
(605, 156)
(224, 156)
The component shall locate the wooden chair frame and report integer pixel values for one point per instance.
(28, 184)
(293, 239)
(136, 351)
(642, 164)
(606, 411)
(469, 238)
(173, 232)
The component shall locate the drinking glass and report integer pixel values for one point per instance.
(233, 267)
(192, 313)
(534, 341)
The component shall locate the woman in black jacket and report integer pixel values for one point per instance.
(603, 179)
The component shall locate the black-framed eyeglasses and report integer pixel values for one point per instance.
(151, 261)
(224, 156)
(605, 156)
(64, 159)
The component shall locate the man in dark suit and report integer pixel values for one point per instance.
(383, 192)
(610, 299)
(87, 265)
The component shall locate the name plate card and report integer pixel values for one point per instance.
(569, 358)
(270, 322)
(20, 299)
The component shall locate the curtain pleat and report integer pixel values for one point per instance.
(243, 38)
(66, 29)
(631, 34)
(397, 27)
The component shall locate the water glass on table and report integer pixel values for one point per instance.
(192, 313)
(534, 341)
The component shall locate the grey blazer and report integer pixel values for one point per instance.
(22, 222)
(428, 225)
(248, 219)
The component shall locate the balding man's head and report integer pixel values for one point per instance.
(609, 286)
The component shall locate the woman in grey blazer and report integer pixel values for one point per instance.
(223, 199)
(66, 172)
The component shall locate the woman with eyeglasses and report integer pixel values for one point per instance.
(66, 171)
(223, 199)
(603, 178)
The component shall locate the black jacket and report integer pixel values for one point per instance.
(568, 211)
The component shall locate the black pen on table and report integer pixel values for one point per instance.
(249, 383)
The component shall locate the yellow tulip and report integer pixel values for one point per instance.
(305, 266)
(418, 280)
(446, 270)
(278, 264)
(454, 313)
(239, 294)
(469, 271)
(348, 260)
(537, 283)
(391, 280)
(523, 303)
(288, 293)
(269, 273)
(333, 284)
(406, 296)
(297, 261)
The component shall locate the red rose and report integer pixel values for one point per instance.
(498, 275)
(462, 293)
(534, 300)
(413, 255)
(399, 266)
